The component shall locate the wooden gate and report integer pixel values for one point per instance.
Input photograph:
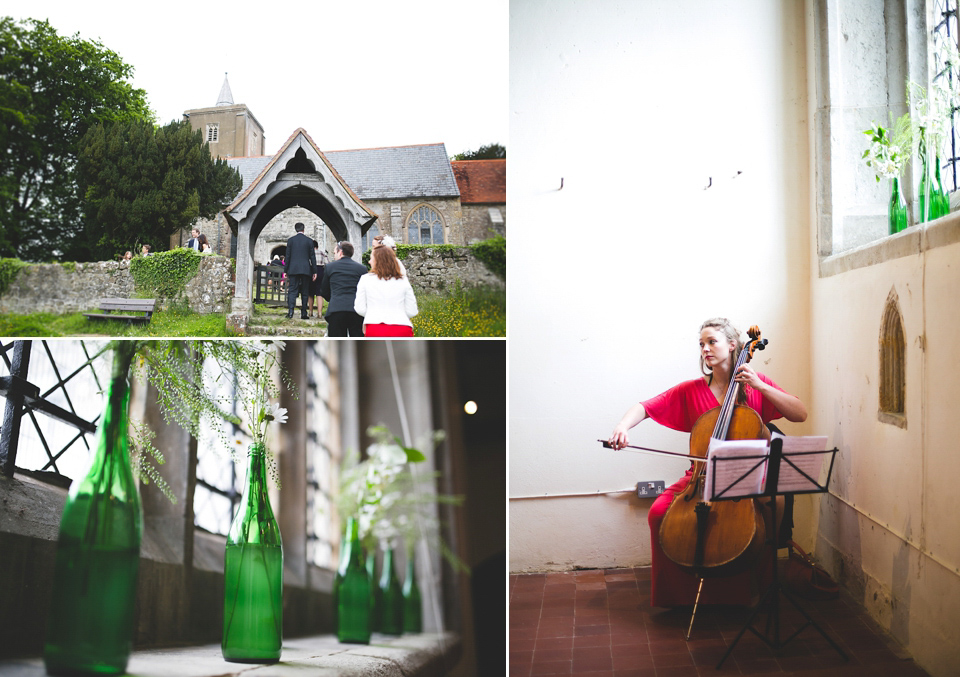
(270, 286)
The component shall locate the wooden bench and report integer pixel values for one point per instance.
(125, 307)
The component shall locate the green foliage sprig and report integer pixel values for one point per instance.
(188, 394)
(390, 500)
(164, 275)
(493, 254)
(890, 149)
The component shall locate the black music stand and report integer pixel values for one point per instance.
(799, 482)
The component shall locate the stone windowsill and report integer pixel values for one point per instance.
(914, 240)
(425, 655)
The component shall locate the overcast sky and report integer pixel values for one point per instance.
(353, 73)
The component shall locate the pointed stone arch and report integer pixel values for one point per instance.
(893, 380)
(298, 175)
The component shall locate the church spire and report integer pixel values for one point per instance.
(226, 96)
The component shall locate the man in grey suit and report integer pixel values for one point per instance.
(339, 287)
(300, 267)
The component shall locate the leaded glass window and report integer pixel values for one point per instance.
(945, 35)
(323, 452)
(68, 378)
(425, 226)
(218, 482)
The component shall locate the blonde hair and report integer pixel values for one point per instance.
(731, 333)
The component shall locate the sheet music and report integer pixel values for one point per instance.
(790, 479)
(726, 474)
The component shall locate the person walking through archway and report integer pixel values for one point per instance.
(300, 267)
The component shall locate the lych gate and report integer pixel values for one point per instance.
(298, 175)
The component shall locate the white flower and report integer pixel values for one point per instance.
(276, 413)
(387, 454)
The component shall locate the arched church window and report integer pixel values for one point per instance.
(213, 132)
(892, 365)
(425, 226)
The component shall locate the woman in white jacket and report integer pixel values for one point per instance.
(385, 297)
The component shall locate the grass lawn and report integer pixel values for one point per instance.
(172, 322)
(476, 311)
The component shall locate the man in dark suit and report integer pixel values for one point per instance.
(339, 287)
(300, 267)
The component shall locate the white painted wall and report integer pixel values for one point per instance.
(888, 530)
(635, 106)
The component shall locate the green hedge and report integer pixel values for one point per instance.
(164, 275)
(493, 253)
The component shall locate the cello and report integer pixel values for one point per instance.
(719, 538)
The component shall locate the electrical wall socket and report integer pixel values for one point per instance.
(650, 489)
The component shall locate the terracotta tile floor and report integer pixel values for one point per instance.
(600, 624)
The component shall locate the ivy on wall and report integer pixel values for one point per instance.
(9, 268)
(493, 253)
(164, 275)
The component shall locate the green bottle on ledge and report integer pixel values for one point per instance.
(412, 610)
(354, 592)
(253, 574)
(91, 622)
(391, 597)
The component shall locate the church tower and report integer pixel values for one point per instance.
(230, 129)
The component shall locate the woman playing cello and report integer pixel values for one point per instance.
(679, 408)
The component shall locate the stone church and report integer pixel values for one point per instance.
(413, 193)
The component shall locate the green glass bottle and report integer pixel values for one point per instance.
(91, 622)
(353, 594)
(897, 211)
(253, 574)
(928, 196)
(412, 611)
(374, 591)
(391, 597)
(943, 199)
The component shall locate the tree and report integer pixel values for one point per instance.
(52, 89)
(142, 184)
(491, 151)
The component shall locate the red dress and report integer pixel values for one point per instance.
(679, 408)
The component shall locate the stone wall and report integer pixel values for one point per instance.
(439, 269)
(478, 225)
(56, 288)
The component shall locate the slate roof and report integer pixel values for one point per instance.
(379, 173)
(481, 181)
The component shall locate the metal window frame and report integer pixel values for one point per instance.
(24, 398)
(945, 18)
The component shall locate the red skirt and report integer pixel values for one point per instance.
(387, 330)
(672, 586)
